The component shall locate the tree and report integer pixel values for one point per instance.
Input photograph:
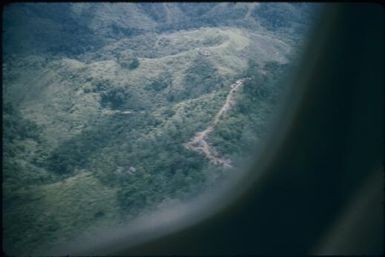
(133, 64)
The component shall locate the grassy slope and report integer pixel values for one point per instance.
(48, 93)
(61, 96)
(37, 214)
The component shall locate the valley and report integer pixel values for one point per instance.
(113, 110)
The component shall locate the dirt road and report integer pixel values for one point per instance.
(199, 144)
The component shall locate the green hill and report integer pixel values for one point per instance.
(99, 100)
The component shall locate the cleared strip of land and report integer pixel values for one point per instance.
(199, 144)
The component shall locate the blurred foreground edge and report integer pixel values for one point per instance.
(321, 190)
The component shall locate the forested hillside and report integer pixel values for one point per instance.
(100, 100)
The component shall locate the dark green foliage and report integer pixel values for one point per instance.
(133, 64)
(145, 171)
(201, 78)
(118, 31)
(162, 82)
(114, 99)
(17, 128)
(157, 85)
(237, 135)
(61, 35)
(121, 98)
(156, 11)
(99, 214)
(102, 85)
(262, 85)
(169, 113)
(278, 17)
(76, 152)
(170, 98)
(18, 164)
(195, 10)
(273, 18)
(128, 61)
(167, 170)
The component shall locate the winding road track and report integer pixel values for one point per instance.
(199, 144)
